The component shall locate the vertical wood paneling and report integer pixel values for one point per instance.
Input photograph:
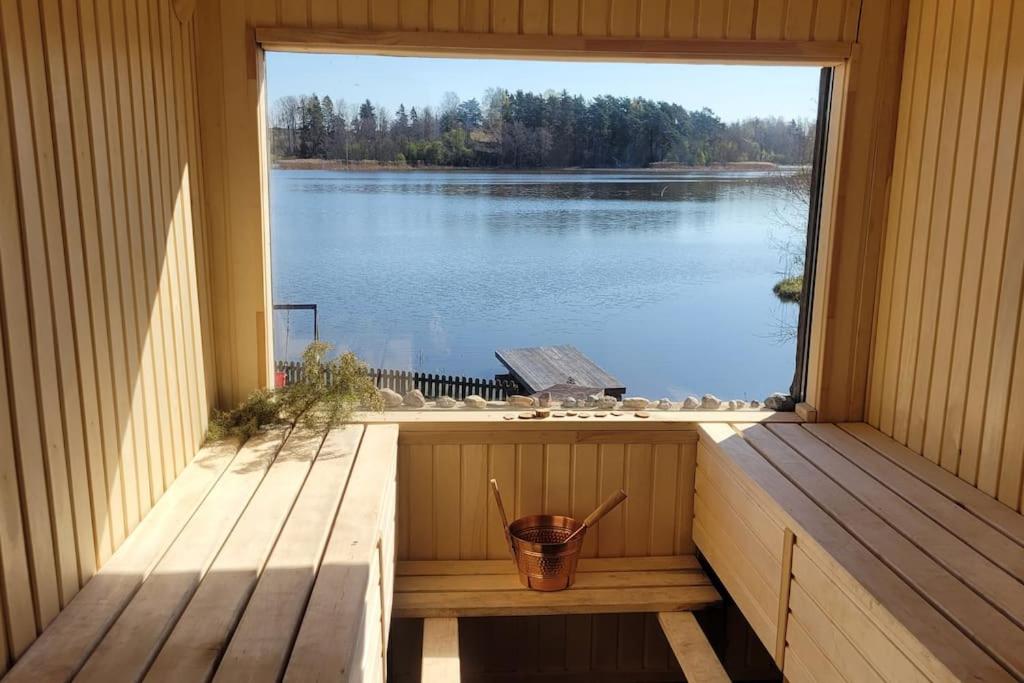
(799, 18)
(740, 20)
(947, 354)
(771, 19)
(446, 509)
(103, 378)
(383, 14)
(596, 17)
(624, 20)
(505, 16)
(565, 17)
(444, 15)
(711, 18)
(654, 18)
(414, 15)
(682, 18)
(476, 16)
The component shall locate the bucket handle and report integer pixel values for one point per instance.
(504, 520)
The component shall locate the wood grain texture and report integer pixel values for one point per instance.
(104, 364)
(440, 651)
(862, 132)
(945, 373)
(447, 511)
(864, 556)
(699, 662)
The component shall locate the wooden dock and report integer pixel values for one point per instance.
(537, 368)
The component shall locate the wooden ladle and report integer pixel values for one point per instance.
(603, 509)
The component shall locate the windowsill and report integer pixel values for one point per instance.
(655, 420)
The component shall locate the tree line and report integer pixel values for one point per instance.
(528, 130)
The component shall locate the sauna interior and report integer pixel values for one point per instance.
(873, 533)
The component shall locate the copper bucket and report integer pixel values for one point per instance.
(545, 548)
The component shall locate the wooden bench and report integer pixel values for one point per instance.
(488, 588)
(856, 559)
(440, 592)
(271, 560)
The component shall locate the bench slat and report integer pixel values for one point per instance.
(999, 588)
(262, 640)
(135, 638)
(510, 581)
(1001, 516)
(985, 538)
(198, 639)
(343, 602)
(64, 646)
(927, 637)
(586, 564)
(691, 647)
(989, 627)
(440, 651)
(573, 601)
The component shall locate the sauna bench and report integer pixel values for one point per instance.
(267, 561)
(854, 558)
(489, 588)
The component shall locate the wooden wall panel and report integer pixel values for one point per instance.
(742, 541)
(446, 510)
(948, 359)
(103, 363)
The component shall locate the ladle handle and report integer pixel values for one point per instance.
(504, 519)
(604, 508)
(594, 517)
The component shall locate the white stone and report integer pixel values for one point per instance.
(391, 398)
(607, 402)
(446, 402)
(710, 402)
(691, 403)
(570, 402)
(497, 404)
(521, 401)
(594, 399)
(414, 399)
(635, 403)
(664, 404)
(544, 400)
(755, 404)
(731, 405)
(740, 404)
(474, 401)
(779, 401)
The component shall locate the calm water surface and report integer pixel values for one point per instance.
(664, 280)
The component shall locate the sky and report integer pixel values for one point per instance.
(732, 92)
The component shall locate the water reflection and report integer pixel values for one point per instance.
(664, 279)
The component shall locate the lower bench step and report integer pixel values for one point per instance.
(603, 586)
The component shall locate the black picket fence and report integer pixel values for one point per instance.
(432, 386)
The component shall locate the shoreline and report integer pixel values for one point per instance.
(364, 166)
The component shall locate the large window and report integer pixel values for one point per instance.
(443, 215)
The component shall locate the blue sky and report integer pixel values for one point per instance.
(733, 92)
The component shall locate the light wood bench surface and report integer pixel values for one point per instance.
(895, 570)
(259, 563)
(479, 588)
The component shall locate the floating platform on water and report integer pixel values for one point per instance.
(537, 368)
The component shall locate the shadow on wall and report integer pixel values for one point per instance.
(105, 358)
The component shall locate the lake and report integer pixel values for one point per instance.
(663, 279)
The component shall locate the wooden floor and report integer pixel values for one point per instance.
(259, 562)
(891, 567)
(489, 588)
